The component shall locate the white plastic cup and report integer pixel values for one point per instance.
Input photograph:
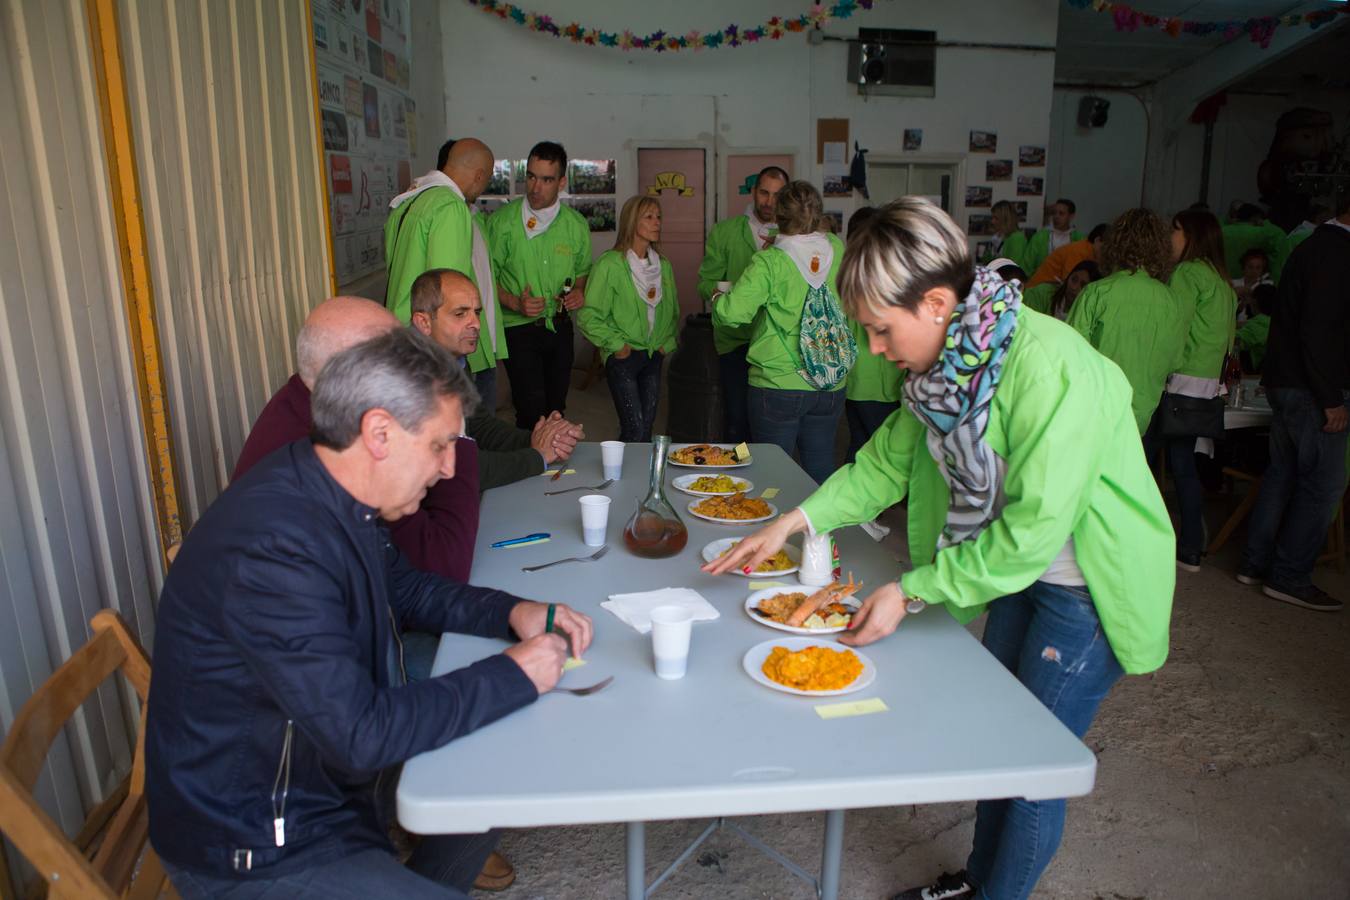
(817, 567)
(594, 517)
(671, 627)
(724, 287)
(611, 457)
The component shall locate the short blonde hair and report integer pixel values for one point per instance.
(633, 208)
(899, 254)
(799, 209)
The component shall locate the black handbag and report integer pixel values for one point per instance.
(1183, 416)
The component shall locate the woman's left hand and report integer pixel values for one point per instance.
(880, 614)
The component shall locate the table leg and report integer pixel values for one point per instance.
(1235, 519)
(832, 857)
(636, 861)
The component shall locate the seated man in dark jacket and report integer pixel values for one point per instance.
(279, 696)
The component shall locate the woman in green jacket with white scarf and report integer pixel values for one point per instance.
(1028, 493)
(630, 315)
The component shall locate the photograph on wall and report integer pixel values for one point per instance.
(1030, 186)
(984, 250)
(834, 220)
(590, 176)
(983, 142)
(980, 224)
(913, 138)
(998, 170)
(1021, 207)
(1028, 155)
(599, 214)
(519, 167)
(979, 195)
(499, 185)
(334, 131)
(836, 186)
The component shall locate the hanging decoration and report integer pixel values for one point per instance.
(1260, 29)
(661, 42)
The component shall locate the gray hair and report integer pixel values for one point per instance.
(908, 248)
(427, 293)
(400, 372)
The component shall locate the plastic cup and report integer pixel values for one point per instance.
(724, 287)
(611, 457)
(671, 627)
(594, 517)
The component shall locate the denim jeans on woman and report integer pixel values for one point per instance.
(802, 420)
(1050, 638)
(635, 385)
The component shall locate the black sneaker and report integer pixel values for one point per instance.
(1188, 561)
(1310, 597)
(947, 887)
(1247, 574)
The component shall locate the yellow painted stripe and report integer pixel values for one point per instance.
(323, 173)
(120, 148)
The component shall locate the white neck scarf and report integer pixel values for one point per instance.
(434, 178)
(812, 253)
(646, 272)
(762, 233)
(536, 221)
(1060, 238)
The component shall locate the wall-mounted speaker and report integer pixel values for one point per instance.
(1092, 112)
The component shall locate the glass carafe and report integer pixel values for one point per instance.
(655, 531)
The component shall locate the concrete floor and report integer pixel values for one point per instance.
(1226, 774)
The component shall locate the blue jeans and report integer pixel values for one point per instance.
(1299, 493)
(1049, 636)
(864, 418)
(486, 382)
(635, 386)
(735, 377)
(443, 867)
(804, 420)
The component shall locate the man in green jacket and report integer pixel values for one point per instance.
(541, 254)
(1061, 233)
(447, 309)
(432, 226)
(1248, 229)
(730, 245)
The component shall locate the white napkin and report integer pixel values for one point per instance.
(636, 609)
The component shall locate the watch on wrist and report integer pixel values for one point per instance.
(912, 604)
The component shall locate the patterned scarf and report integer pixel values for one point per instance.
(953, 397)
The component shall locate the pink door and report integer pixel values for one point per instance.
(677, 176)
(741, 170)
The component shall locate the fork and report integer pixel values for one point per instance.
(582, 692)
(592, 558)
(599, 487)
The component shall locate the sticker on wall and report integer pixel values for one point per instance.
(351, 95)
(320, 32)
(980, 224)
(372, 104)
(913, 138)
(984, 142)
(330, 89)
(1030, 186)
(390, 67)
(375, 56)
(359, 49)
(373, 21)
(980, 196)
(1028, 155)
(599, 214)
(341, 168)
(334, 130)
(998, 170)
(668, 181)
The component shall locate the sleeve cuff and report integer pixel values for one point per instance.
(810, 528)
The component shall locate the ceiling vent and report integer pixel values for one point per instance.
(894, 62)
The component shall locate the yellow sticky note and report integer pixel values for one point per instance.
(742, 451)
(769, 494)
(551, 472)
(852, 708)
(761, 585)
(573, 663)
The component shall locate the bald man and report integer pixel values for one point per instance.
(432, 225)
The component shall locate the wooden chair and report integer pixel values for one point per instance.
(101, 860)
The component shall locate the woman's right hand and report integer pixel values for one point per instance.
(752, 551)
(623, 352)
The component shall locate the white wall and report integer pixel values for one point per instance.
(512, 87)
(1100, 169)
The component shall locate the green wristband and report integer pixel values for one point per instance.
(548, 626)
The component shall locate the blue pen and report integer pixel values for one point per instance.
(538, 536)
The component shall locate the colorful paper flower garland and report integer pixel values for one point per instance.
(660, 42)
(1260, 29)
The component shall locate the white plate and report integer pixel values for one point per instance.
(754, 600)
(683, 482)
(728, 447)
(715, 549)
(755, 656)
(773, 511)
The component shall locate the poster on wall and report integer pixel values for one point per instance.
(998, 170)
(1031, 157)
(983, 142)
(980, 196)
(1030, 186)
(367, 119)
(980, 224)
(913, 139)
(590, 176)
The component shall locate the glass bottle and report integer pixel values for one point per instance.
(655, 531)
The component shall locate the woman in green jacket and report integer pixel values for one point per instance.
(800, 346)
(1208, 307)
(1130, 316)
(630, 315)
(1056, 299)
(1028, 493)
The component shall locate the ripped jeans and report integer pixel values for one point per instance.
(1049, 636)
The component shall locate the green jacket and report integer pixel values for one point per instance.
(1239, 237)
(1041, 297)
(1252, 337)
(1206, 302)
(730, 246)
(1075, 468)
(872, 377)
(1136, 323)
(1038, 248)
(434, 230)
(770, 294)
(504, 452)
(543, 263)
(1015, 248)
(615, 315)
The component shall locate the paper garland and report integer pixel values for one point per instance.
(1261, 29)
(660, 41)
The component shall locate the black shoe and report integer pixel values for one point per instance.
(947, 887)
(1247, 574)
(1310, 597)
(1188, 561)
